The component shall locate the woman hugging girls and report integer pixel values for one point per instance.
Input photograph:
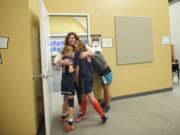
(84, 78)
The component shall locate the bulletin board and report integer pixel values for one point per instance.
(133, 39)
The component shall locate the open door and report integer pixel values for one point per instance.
(46, 66)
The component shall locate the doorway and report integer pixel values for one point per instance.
(60, 24)
(174, 8)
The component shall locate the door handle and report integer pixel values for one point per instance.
(43, 76)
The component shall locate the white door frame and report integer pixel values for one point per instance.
(46, 66)
(79, 15)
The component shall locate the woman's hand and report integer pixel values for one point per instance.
(67, 62)
(89, 52)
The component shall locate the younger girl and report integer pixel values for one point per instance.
(68, 90)
(85, 81)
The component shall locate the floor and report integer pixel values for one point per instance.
(157, 114)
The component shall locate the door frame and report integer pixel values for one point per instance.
(46, 69)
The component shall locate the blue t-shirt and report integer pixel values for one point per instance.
(67, 82)
(85, 68)
(66, 72)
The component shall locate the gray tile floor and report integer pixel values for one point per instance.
(157, 114)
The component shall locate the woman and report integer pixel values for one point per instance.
(71, 40)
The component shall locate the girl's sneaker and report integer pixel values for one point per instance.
(80, 117)
(106, 108)
(64, 119)
(102, 104)
(104, 118)
(70, 127)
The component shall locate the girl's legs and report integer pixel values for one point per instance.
(95, 104)
(97, 107)
(107, 94)
(107, 98)
(71, 107)
(106, 81)
(83, 104)
(70, 125)
(64, 109)
(78, 92)
(82, 114)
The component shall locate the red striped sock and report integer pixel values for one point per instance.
(97, 107)
(84, 106)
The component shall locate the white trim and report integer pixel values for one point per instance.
(88, 29)
(76, 14)
(68, 14)
(63, 35)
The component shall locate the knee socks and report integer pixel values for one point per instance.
(83, 105)
(97, 107)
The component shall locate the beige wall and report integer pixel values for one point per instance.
(17, 97)
(62, 25)
(128, 79)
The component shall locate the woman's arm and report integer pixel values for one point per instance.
(58, 60)
(89, 52)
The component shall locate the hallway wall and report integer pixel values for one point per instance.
(17, 91)
(62, 25)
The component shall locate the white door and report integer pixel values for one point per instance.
(46, 66)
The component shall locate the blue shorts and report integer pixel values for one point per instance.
(67, 86)
(85, 86)
(107, 78)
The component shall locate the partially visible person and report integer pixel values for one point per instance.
(71, 40)
(68, 89)
(85, 81)
(105, 73)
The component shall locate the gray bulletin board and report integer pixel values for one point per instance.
(134, 39)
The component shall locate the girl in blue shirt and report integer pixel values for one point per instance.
(84, 78)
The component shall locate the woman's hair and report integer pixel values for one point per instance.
(67, 48)
(68, 35)
(81, 45)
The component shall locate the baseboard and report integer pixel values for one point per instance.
(142, 94)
